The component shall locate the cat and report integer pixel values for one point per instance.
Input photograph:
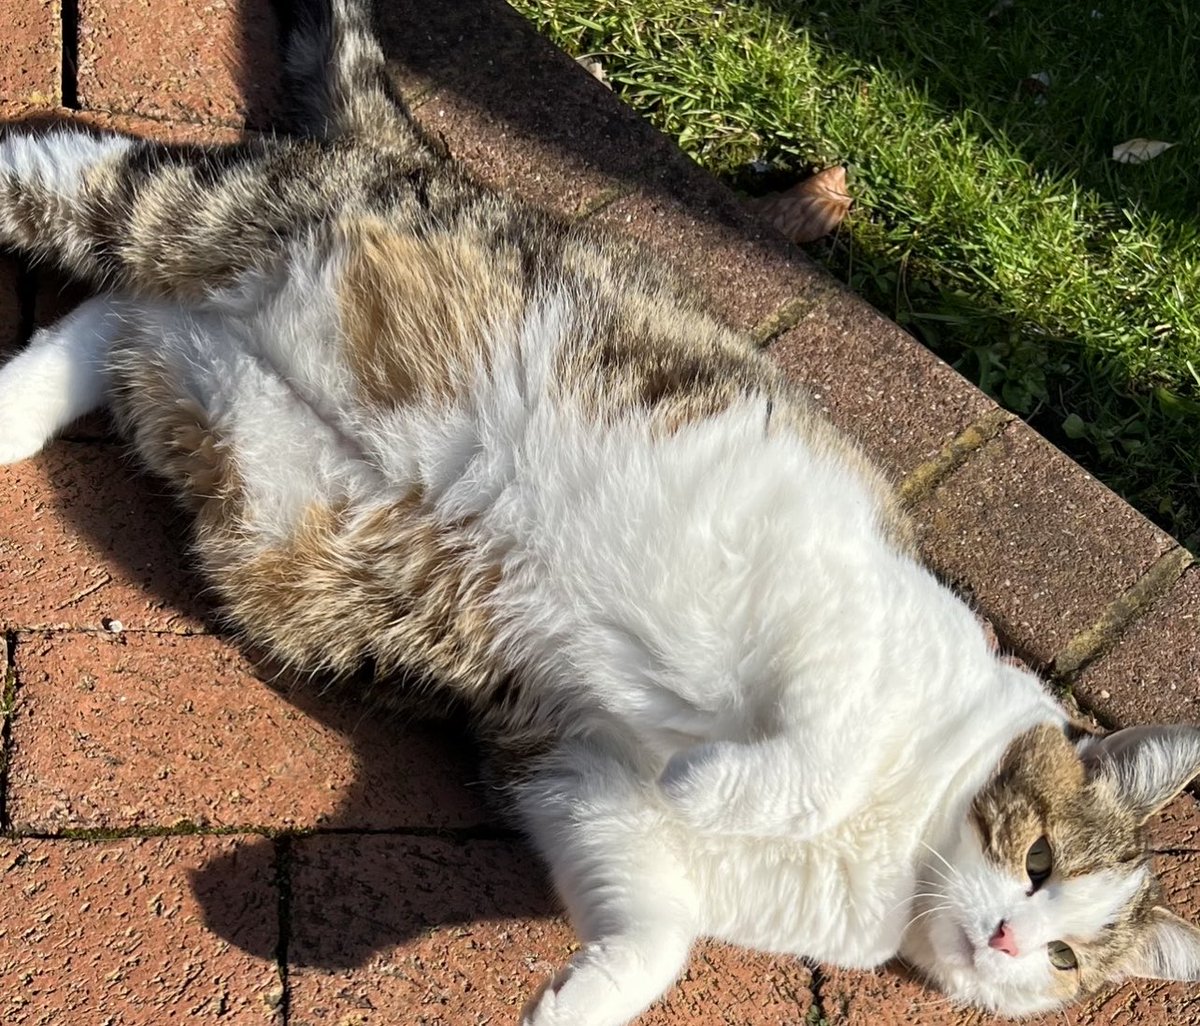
(492, 456)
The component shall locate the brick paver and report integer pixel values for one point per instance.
(875, 380)
(91, 541)
(505, 157)
(401, 896)
(745, 271)
(120, 932)
(510, 106)
(179, 59)
(1036, 542)
(147, 730)
(1152, 674)
(30, 68)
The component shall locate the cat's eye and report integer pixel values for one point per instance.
(1061, 956)
(1039, 862)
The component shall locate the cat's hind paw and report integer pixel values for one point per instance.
(20, 436)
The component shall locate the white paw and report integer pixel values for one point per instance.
(598, 987)
(20, 439)
(545, 1008)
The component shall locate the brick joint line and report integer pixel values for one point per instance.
(1092, 642)
(817, 1013)
(602, 202)
(57, 629)
(283, 888)
(418, 98)
(789, 313)
(8, 703)
(924, 479)
(69, 61)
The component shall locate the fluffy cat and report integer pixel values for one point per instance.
(494, 456)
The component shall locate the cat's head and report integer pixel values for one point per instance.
(1046, 892)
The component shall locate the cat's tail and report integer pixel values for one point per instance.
(337, 79)
(138, 215)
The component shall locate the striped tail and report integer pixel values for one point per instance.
(337, 76)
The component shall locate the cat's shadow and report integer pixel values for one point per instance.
(406, 853)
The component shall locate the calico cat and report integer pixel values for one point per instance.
(497, 457)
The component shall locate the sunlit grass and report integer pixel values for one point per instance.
(989, 217)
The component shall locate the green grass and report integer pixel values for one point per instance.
(989, 220)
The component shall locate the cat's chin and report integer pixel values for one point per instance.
(945, 955)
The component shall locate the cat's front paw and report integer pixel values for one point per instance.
(697, 784)
(543, 1008)
(582, 1004)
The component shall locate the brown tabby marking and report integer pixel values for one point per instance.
(389, 584)
(417, 310)
(175, 436)
(1041, 788)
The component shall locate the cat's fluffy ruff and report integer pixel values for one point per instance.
(424, 428)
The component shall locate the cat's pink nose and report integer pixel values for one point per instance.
(1003, 939)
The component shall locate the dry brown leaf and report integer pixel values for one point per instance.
(595, 69)
(1137, 151)
(811, 209)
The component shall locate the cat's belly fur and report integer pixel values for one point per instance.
(616, 583)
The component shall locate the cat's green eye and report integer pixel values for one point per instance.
(1061, 956)
(1039, 862)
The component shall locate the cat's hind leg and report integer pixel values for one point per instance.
(628, 897)
(58, 377)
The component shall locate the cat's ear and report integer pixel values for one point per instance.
(1171, 950)
(1148, 766)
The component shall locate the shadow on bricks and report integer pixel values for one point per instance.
(402, 856)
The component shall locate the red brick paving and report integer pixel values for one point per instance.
(118, 932)
(741, 266)
(505, 158)
(433, 932)
(186, 60)
(1039, 544)
(91, 540)
(1152, 675)
(876, 381)
(30, 69)
(139, 730)
(406, 903)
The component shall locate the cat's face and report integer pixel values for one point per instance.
(1046, 892)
